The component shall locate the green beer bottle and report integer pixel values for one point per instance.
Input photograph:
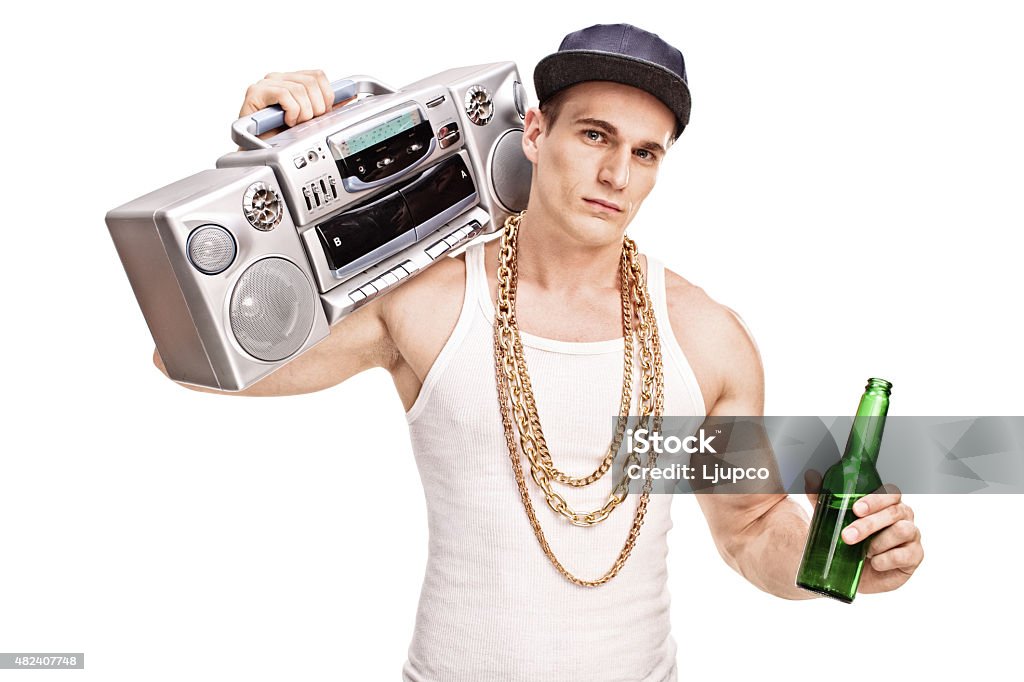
(830, 566)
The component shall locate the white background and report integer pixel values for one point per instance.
(850, 184)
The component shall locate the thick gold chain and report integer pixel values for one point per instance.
(536, 434)
(514, 368)
(510, 380)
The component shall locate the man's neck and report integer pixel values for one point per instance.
(551, 261)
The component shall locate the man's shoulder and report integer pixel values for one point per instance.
(433, 286)
(692, 306)
(423, 310)
(712, 334)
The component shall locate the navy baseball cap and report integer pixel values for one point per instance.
(621, 53)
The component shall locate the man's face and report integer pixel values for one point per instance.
(595, 166)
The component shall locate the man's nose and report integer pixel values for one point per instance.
(615, 168)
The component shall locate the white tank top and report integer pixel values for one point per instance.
(492, 606)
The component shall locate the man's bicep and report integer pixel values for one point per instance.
(742, 369)
(731, 514)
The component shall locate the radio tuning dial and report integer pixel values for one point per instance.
(262, 206)
(479, 105)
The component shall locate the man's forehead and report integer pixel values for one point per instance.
(628, 109)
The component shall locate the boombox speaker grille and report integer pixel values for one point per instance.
(272, 309)
(511, 172)
(211, 249)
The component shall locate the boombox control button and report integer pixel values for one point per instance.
(437, 248)
(368, 289)
(408, 266)
(389, 277)
(398, 271)
(414, 147)
(300, 162)
(356, 295)
(449, 139)
(386, 161)
(380, 283)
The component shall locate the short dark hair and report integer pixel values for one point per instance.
(552, 107)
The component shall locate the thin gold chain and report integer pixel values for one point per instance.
(509, 380)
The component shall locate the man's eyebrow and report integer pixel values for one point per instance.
(612, 130)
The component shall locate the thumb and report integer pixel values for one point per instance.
(812, 484)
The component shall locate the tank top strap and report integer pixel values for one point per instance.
(474, 253)
(656, 285)
(477, 286)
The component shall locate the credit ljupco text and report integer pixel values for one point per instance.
(642, 441)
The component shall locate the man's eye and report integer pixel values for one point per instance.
(645, 155)
(593, 135)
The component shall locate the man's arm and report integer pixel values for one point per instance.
(356, 343)
(762, 536)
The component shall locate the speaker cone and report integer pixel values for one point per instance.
(511, 172)
(271, 309)
(211, 249)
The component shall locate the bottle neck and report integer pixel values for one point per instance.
(866, 436)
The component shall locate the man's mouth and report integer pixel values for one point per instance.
(614, 208)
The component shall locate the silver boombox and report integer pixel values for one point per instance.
(243, 267)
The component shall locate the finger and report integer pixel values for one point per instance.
(264, 94)
(324, 85)
(863, 527)
(274, 93)
(812, 485)
(258, 96)
(887, 495)
(313, 92)
(905, 557)
(301, 95)
(903, 532)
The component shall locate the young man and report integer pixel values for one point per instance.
(507, 594)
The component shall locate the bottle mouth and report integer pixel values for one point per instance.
(878, 383)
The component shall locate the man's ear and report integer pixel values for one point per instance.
(533, 128)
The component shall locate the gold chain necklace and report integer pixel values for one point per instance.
(526, 389)
(511, 377)
(528, 422)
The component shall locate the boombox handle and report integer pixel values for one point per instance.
(245, 130)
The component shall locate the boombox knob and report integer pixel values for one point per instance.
(262, 206)
(479, 105)
(519, 97)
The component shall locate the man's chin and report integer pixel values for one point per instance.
(594, 232)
